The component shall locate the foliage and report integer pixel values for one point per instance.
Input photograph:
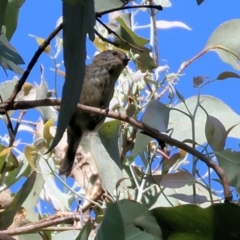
(126, 184)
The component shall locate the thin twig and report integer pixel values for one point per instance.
(22, 112)
(105, 39)
(9, 125)
(151, 131)
(33, 61)
(114, 33)
(155, 34)
(100, 14)
(43, 223)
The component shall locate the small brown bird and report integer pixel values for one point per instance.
(97, 91)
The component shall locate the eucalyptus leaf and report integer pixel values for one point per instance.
(194, 222)
(61, 198)
(128, 35)
(6, 89)
(30, 236)
(175, 180)
(225, 40)
(8, 51)
(104, 5)
(3, 5)
(74, 46)
(199, 2)
(11, 16)
(41, 93)
(156, 116)
(127, 216)
(215, 133)
(229, 161)
(7, 64)
(71, 235)
(109, 135)
(181, 124)
(108, 169)
(144, 61)
(84, 233)
(33, 198)
(7, 216)
(227, 74)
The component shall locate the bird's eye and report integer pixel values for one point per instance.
(114, 53)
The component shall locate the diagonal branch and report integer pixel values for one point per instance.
(33, 61)
(100, 14)
(43, 223)
(140, 125)
(114, 33)
(105, 39)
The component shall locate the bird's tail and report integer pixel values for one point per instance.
(74, 135)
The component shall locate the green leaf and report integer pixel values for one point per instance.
(3, 5)
(109, 135)
(103, 5)
(71, 235)
(6, 216)
(124, 219)
(41, 93)
(6, 89)
(144, 61)
(215, 133)
(7, 64)
(11, 16)
(181, 124)
(199, 2)
(227, 74)
(156, 116)
(126, 17)
(30, 236)
(229, 161)
(7, 155)
(74, 52)
(192, 222)
(33, 198)
(197, 81)
(109, 169)
(175, 180)
(84, 233)
(128, 35)
(225, 40)
(9, 57)
(62, 198)
(168, 163)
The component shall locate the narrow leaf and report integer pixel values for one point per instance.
(156, 116)
(74, 52)
(215, 133)
(227, 74)
(225, 40)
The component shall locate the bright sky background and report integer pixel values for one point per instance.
(176, 45)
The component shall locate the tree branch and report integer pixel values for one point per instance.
(43, 223)
(114, 33)
(100, 14)
(140, 125)
(31, 64)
